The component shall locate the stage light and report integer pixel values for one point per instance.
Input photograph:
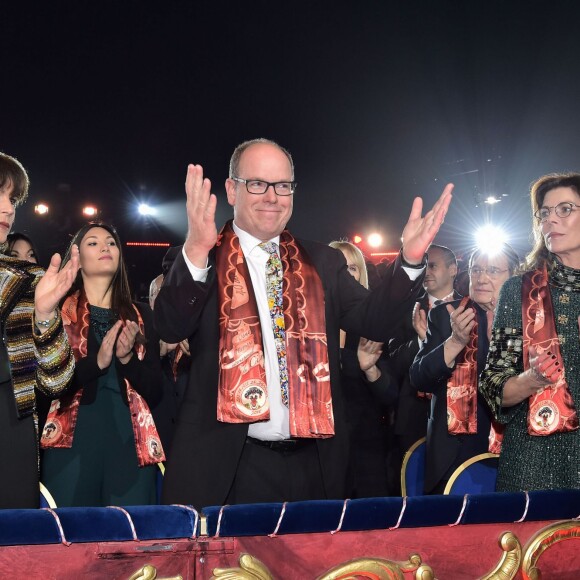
(375, 240)
(146, 210)
(90, 211)
(357, 239)
(41, 209)
(491, 199)
(490, 238)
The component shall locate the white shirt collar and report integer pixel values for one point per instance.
(446, 298)
(248, 242)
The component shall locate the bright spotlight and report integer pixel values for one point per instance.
(490, 238)
(41, 209)
(492, 199)
(90, 211)
(357, 239)
(375, 240)
(147, 210)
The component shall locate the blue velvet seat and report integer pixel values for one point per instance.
(413, 469)
(476, 475)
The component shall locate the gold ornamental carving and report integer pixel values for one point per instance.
(372, 568)
(510, 561)
(544, 539)
(379, 569)
(149, 572)
(250, 569)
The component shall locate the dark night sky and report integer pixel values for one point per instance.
(378, 101)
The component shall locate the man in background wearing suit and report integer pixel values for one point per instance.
(413, 408)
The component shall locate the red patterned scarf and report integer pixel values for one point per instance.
(462, 392)
(551, 411)
(62, 417)
(242, 391)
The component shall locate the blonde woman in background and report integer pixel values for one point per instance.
(368, 389)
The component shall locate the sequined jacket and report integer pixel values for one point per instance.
(44, 362)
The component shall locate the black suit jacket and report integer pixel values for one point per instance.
(205, 452)
(411, 412)
(429, 373)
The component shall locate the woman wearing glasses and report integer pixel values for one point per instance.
(532, 379)
(449, 364)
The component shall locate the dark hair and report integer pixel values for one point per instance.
(239, 150)
(13, 174)
(448, 255)
(14, 237)
(540, 254)
(505, 250)
(121, 302)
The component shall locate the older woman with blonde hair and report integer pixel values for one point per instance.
(532, 378)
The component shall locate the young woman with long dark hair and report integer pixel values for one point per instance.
(100, 441)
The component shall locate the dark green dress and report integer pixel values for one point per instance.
(529, 462)
(101, 467)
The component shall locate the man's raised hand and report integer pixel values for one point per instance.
(421, 231)
(201, 205)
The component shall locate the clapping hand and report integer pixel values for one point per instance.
(105, 354)
(421, 231)
(545, 368)
(201, 205)
(462, 321)
(420, 321)
(54, 285)
(126, 341)
(368, 353)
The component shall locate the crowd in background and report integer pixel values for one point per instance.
(486, 359)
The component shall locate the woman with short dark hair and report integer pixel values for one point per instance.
(35, 356)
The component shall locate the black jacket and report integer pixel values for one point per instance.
(205, 452)
(429, 373)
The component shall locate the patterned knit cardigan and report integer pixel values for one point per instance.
(44, 362)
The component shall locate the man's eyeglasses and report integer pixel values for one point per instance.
(492, 272)
(259, 187)
(562, 210)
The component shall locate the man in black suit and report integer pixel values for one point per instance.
(221, 453)
(413, 408)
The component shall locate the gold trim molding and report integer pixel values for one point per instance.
(544, 539)
(250, 569)
(372, 568)
(149, 572)
(379, 569)
(510, 562)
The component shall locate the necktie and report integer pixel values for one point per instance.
(437, 302)
(274, 278)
